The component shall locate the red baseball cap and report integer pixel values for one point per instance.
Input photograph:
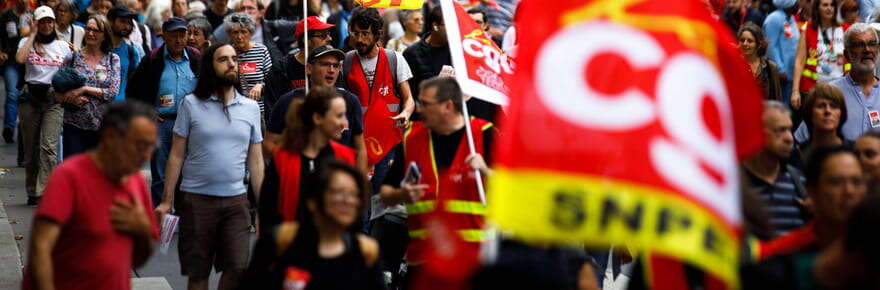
(314, 24)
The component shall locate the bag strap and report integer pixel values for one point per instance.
(796, 177)
(346, 67)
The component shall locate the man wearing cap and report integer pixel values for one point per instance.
(121, 21)
(323, 68)
(161, 80)
(783, 36)
(319, 34)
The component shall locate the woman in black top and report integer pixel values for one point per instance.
(324, 251)
(307, 143)
(753, 46)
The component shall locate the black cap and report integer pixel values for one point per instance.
(174, 23)
(324, 50)
(120, 11)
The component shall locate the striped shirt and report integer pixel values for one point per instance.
(253, 67)
(780, 198)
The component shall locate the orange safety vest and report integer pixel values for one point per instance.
(457, 184)
(810, 74)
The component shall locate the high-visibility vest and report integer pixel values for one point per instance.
(810, 74)
(456, 184)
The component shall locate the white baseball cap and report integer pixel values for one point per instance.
(43, 12)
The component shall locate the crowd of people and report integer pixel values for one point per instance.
(252, 125)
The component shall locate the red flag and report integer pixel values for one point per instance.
(481, 68)
(626, 121)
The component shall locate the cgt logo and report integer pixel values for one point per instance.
(374, 146)
(477, 45)
(686, 153)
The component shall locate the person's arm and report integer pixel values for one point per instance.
(799, 61)
(44, 235)
(392, 194)
(408, 104)
(271, 141)
(256, 167)
(360, 150)
(172, 173)
(21, 54)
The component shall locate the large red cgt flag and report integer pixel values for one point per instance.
(625, 123)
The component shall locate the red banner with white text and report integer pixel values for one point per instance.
(481, 68)
(626, 121)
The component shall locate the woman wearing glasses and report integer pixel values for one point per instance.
(254, 62)
(101, 69)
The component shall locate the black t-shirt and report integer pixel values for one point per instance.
(9, 40)
(445, 148)
(296, 72)
(214, 19)
(425, 62)
(352, 113)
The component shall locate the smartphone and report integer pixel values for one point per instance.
(413, 175)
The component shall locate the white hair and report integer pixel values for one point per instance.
(153, 17)
(776, 105)
(857, 28)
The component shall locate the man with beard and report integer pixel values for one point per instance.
(129, 55)
(379, 77)
(216, 134)
(161, 80)
(859, 87)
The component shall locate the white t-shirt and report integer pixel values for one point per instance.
(40, 67)
(369, 66)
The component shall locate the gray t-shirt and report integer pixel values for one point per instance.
(217, 144)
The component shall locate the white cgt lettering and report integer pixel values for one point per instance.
(560, 75)
(684, 82)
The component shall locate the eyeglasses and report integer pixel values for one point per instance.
(93, 30)
(329, 64)
(421, 103)
(357, 33)
(321, 36)
(863, 45)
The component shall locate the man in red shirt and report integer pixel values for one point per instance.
(95, 221)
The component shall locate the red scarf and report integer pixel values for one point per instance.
(380, 131)
(288, 164)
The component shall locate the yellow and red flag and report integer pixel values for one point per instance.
(396, 4)
(625, 124)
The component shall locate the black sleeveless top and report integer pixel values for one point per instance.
(346, 271)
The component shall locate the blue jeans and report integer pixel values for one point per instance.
(11, 77)
(160, 157)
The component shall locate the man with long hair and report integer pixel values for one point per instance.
(220, 129)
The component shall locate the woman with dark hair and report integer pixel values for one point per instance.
(753, 46)
(849, 11)
(820, 50)
(824, 114)
(312, 125)
(101, 69)
(324, 250)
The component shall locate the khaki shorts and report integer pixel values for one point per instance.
(214, 231)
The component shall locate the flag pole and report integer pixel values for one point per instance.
(306, 38)
(470, 139)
